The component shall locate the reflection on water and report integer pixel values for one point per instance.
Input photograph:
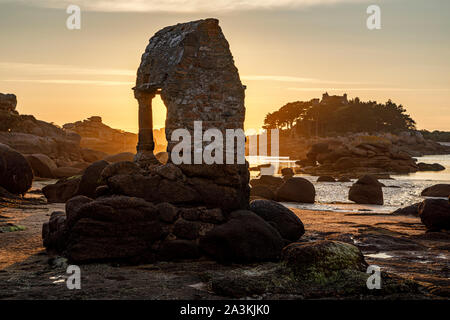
(277, 163)
(380, 255)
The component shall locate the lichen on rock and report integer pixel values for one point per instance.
(322, 261)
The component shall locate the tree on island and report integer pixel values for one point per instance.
(336, 115)
(436, 135)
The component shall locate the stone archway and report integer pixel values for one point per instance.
(191, 66)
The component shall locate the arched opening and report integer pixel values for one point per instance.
(159, 111)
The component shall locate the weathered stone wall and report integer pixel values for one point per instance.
(192, 65)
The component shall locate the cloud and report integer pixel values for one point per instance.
(34, 73)
(367, 89)
(74, 82)
(186, 6)
(39, 70)
(291, 79)
(55, 69)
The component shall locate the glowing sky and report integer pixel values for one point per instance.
(285, 50)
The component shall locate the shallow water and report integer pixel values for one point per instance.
(431, 175)
(380, 255)
(401, 191)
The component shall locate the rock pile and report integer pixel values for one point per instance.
(358, 155)
(363, 158)
(122, 228)
(30, 136)
(96, 135)
(53, 152)
(145, 210)
(413, 143)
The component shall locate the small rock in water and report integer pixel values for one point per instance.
(412, 210)
(326, 179)
(430, 167)
(367, 190)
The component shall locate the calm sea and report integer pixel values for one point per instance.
(402, 190)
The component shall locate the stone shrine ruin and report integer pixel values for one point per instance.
(145, 211)
(191, 67)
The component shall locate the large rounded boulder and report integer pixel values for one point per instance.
(116, 228)
(271, 182)
(281, 218)
(90, 155)
(262, 192)
(367, 190)
(326, 179)
(91, 179)
(62, 190)
(412, 210)
(16, 175)
(42, 165)
(296, 190)
(287, 172)
(124, 156)
(318, 259)
(66, 172)
(438, 190)
(244, 238)
(435, 214)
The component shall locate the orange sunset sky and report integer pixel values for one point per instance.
(285, 50)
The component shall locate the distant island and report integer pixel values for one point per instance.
(336, 115)
(338, 135)
(436, 135)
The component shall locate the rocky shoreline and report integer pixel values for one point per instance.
(141, 226)
(397, 244)
(376, 155)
